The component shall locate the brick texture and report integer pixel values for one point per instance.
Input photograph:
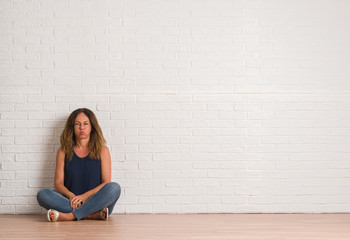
(207, 106)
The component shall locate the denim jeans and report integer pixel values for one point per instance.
(107, 196)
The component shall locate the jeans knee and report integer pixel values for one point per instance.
(42, 194)
(114, 188)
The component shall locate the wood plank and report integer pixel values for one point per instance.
(184, 226)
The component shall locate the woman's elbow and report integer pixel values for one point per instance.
(57, 185)
(106, 182)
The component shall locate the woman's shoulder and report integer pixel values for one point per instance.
(61, 153)
(104, 150)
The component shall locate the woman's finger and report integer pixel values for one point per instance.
(76, 206)
(72, 204)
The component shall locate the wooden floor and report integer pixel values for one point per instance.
(187, 226)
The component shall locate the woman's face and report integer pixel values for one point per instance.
(82, 126)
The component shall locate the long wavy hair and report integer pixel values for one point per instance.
(68, 140)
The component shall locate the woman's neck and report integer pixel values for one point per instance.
(82, 144)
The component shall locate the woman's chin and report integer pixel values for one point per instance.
(81, 137)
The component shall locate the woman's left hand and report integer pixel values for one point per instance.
(80, 199)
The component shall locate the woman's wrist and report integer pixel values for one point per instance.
(70, 195)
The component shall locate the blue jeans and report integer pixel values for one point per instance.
(107, 196)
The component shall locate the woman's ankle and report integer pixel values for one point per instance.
(94, 216)
(66, 217)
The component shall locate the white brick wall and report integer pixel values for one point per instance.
(207, 106)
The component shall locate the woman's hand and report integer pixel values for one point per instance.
(77, 201)
(73, 205)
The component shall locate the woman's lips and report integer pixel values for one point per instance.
(81, 133)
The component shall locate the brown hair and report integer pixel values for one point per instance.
(96, 142)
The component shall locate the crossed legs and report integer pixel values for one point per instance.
(107, 196)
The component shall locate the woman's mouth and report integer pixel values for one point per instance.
(82, 132)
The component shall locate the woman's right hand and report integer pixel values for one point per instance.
(72, 204)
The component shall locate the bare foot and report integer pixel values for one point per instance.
(63, 216)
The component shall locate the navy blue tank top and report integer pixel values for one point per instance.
(81, 174)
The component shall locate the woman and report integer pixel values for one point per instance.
(83, 187)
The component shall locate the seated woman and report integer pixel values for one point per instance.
(83, 187)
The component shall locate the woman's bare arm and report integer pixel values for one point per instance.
(59, 176)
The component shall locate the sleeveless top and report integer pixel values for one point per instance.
(81, 174)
